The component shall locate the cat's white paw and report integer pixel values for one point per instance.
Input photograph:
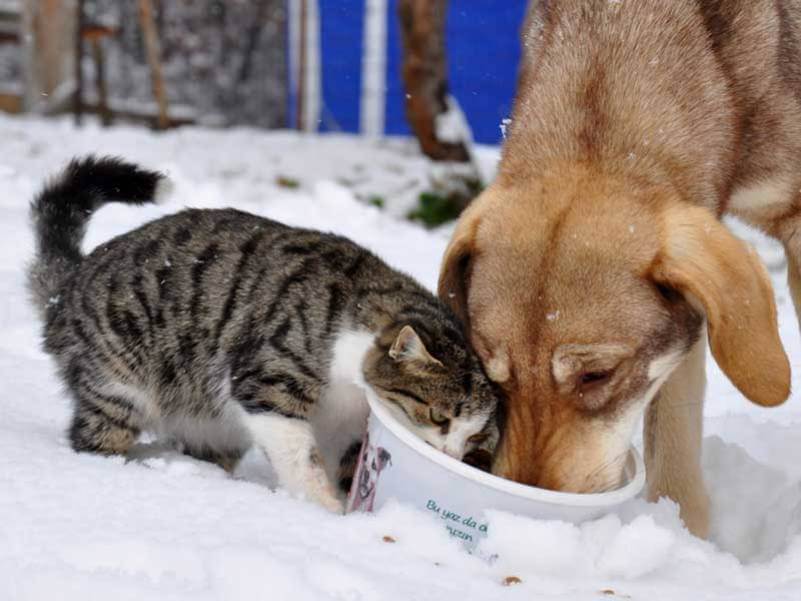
(332, 504)
(323, 493)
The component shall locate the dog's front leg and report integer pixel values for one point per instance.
(673, 433)
(792, 248)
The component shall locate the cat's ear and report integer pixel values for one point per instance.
(408, 347)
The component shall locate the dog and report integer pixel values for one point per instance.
(593, 270)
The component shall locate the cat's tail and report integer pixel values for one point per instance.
(60, 212)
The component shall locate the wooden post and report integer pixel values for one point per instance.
(78, 97)
(95, 33)
(300, 92)
(102, 89)
(281, 23)
(154, 60)
(49, 33)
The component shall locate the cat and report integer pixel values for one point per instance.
(220, 329)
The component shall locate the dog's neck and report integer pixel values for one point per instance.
(618, 91)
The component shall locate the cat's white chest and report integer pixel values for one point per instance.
(341, 415)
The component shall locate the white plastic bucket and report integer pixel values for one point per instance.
(396, 464)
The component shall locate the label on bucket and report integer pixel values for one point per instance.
(382, 473)
(467, 528)
(371, 463)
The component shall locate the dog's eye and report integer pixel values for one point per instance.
(594, 378)
(667, 293)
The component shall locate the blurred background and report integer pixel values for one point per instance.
(442, 72)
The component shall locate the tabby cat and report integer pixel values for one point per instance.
(219, 329)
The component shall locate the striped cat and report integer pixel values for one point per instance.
(219, 329)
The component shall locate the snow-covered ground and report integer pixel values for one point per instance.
(82, 527)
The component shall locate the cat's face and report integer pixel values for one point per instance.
(438, 388)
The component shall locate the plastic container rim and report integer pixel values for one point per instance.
(532, 493)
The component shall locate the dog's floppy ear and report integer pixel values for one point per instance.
(454, 275)
(701, 258)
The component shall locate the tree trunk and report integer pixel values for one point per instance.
(102, 88)
(435, 116)
(154, 60)
(425, 76)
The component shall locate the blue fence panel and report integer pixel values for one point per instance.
(483, 38)
(395, 111)
(341, 47)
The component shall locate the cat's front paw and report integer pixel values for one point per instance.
(319, 490)
(334, 505)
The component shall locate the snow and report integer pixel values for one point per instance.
(451, 126)
(505, 123)
(164, 526)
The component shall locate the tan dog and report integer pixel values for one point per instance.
(587, 271)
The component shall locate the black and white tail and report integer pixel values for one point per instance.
(62, 209)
